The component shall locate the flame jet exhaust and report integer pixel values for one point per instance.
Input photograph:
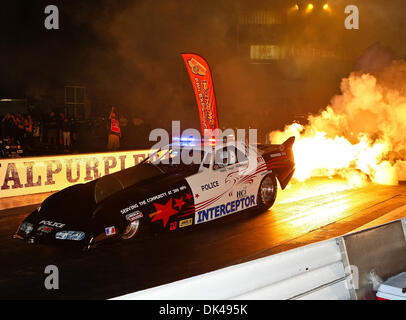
(360, 136)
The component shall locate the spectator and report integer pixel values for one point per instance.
(9, 126)
(114, 131)
(28, 124)
(66, 131)
(28, 129)
(123, 121)
(5, 130)
(19, 127)
(52, 128)
(61, 118)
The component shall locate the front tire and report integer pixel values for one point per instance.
(131, 230)
(267, 192)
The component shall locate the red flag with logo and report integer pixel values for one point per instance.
(202, 83)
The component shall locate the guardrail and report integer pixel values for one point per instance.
(334, 269)
(312, 271)
(23, 176)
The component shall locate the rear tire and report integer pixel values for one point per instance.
(267, 192)
(131, 230)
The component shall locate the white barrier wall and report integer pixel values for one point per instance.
(311, 272)
(335, 269)
(21, 176)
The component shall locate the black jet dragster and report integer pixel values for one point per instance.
(158, 195)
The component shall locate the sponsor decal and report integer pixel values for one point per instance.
(196, 67)
(70, 235)
(128, 209)
(173, 226)
(179, 203)
(224, 209)
(134, 215)
(45, 229)
(241, 194)
(163, 212)
(185, 223)
(160, 196)
(209, 186)
(43, 174)
(110, 231)
(52, 224)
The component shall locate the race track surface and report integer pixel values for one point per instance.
(305, 213)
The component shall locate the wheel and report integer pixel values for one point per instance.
(131, 230)
(267, 192)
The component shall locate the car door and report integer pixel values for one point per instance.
(250, 171)
(214, 186)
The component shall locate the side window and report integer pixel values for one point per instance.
(206, 161)
(225, 157)
(241, 157)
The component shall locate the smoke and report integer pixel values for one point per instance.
(361, 133)
(127, 54)
(145, 74)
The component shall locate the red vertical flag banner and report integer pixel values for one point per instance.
(202, 83)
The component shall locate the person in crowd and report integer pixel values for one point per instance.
(28, 124)
(20, 129)
(5, 126)
(123, 121)
(28, 129)
(52, 128)
(61, 119)
(9, 125)
(114, 130)
(66, 132)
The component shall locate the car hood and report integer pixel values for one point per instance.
(71, 205)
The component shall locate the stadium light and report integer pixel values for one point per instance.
(325, 6)
(309, 7)
(294, 8)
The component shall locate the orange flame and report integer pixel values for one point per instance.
(356, 136)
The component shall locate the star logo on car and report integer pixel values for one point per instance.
(164, 212)
(179, 203)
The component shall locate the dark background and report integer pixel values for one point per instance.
(127, 54)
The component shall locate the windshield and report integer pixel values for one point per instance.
(179, 157)
(115, 182)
